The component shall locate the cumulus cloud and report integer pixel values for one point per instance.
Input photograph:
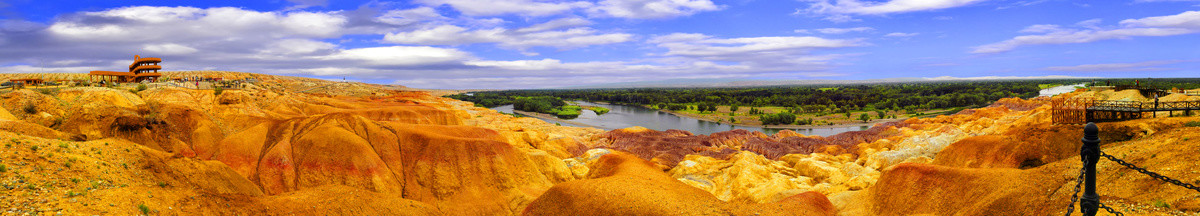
(841, 10)
(411, 16)
(169, 49)
(503, 7)
(652, 9)
(787, 53)
(410, 46)
(1116, 67)
(549, 34)
(556, 24)
(1179, 24)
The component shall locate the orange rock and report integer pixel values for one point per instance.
(623, 184)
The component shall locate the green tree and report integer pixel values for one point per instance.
(733, 108)
(864, 117)
(778, 118)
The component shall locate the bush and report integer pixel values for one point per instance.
(733, 108)
(1161, 204)
(217, 90)
(864, 117)
(145, 209)
(568, 112)
(3, 168)
(141, 87)
(778, 118)
(1192, 124)
(46, 91)
(599, 110)
(30, 109)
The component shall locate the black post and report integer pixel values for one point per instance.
(1089, 204)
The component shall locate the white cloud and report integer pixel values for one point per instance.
(840, 10)
(146, 23)
(169, 49)
(445, 35)
(301, 4)
(948, 78)
(416, 53)
(1115, 67)
(901, 34)
(400, 55)
(556, 24)
(410, 16)
(1189, 20)
(762, 53)
(701, 45)
(297, 47)
(837, 30)
(520, 39)
(1179, 24)
(652, 9)
(502, 7)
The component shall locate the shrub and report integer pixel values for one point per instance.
(1192, 124)
(733, 108)
(34, 147)
(599, 110)
(1161, 204)
(778, 118)
(217, 90)
(141, 87)
(46, 91)
(864, 117)
(30, 109)
(145, 209)
(567, 112)
(3, 168)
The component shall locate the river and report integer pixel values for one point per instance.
(623, 116)
(1059, 89)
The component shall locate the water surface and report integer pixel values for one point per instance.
(1059, 89)
(623, 116)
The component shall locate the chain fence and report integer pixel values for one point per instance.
(1149, 173)
(1083, 170)
(1078, 183)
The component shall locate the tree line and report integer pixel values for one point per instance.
(801, 99)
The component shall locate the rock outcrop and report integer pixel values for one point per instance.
(624, 184)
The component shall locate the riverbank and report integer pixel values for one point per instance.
(555, 119)
(823, 126)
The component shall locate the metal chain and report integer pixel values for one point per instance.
(1078, 183)
(1149, 173)
(1110, 210)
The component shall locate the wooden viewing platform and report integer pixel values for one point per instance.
(1079, 111)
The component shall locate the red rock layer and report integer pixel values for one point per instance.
(667, 148)
(623, 184)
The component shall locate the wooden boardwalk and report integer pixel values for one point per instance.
(1080, 111)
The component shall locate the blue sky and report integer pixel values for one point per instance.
(478, 44)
